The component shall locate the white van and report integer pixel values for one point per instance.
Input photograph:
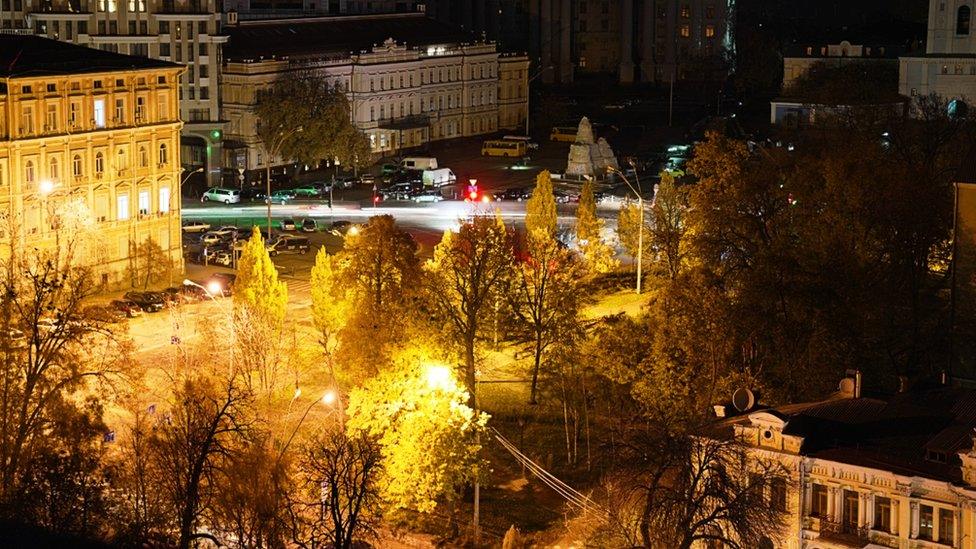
(418, 163)
(438, 178)
(217, 194)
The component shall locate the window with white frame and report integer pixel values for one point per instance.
(122, 207)
(145, 202)
(163, 199)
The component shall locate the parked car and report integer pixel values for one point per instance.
(46, 325)
(309, 225)
(104, 314)
(13, 338)
(342, 228)
(398, 191)
(218, 194)
(280, 197)
(195, 226)
(130, 308)
(223, 257)
(287, 224)
(145, 300)
(309, 191)
(286, 244)
(211, 238)
(564, 197)
(346, 181)
(517, 194)
(225, 230)
(194, 292)
(428, 195)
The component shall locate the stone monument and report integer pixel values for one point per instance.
(588, 157)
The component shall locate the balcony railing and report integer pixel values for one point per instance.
(844, 533)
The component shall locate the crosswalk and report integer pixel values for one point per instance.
(298, 286)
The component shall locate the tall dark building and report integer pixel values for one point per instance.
(636, 40)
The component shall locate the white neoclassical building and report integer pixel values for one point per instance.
(948, 67)
(409, 79)
(871, 472)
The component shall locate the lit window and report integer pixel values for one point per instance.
(120, 111)
(122, 205)
(29, 174)
(709, 31)
(99, 113)
(99, 163)
(164, 199)
(53, 171)
(76, 165)
(685, 31)
(51, 121)
(925, 522)
(144, 202)
(685, 12)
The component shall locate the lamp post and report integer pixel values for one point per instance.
(206, 291)
(171, 211)
(330, 398)
(640, 228)
(271, 150)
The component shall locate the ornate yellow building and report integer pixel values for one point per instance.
(871, 472)
(97, 131)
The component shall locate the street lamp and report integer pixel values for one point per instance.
(640, 228)
(206, 291)
(328, 398)
(271, 152)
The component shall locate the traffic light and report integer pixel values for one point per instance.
(216, 135)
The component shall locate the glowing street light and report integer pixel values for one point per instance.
(330, 397)
(188, 282)
(45, 187)
(439, 377)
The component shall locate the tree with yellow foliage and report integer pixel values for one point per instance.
(463, 278)
(418, 414)
(540, 209)
(259, 313)
(597, 254)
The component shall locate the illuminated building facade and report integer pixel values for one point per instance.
(96, 132)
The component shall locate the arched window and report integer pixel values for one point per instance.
(163, 154)
(143, 157)
(76, 165)
(52, 168)
(120, 160)
(29, 175)
(962, 20)
(99, 163)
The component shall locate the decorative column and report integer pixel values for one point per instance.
(626, 74)
(895, 516)
(832, 504)
(913, 520)
(868, 512)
